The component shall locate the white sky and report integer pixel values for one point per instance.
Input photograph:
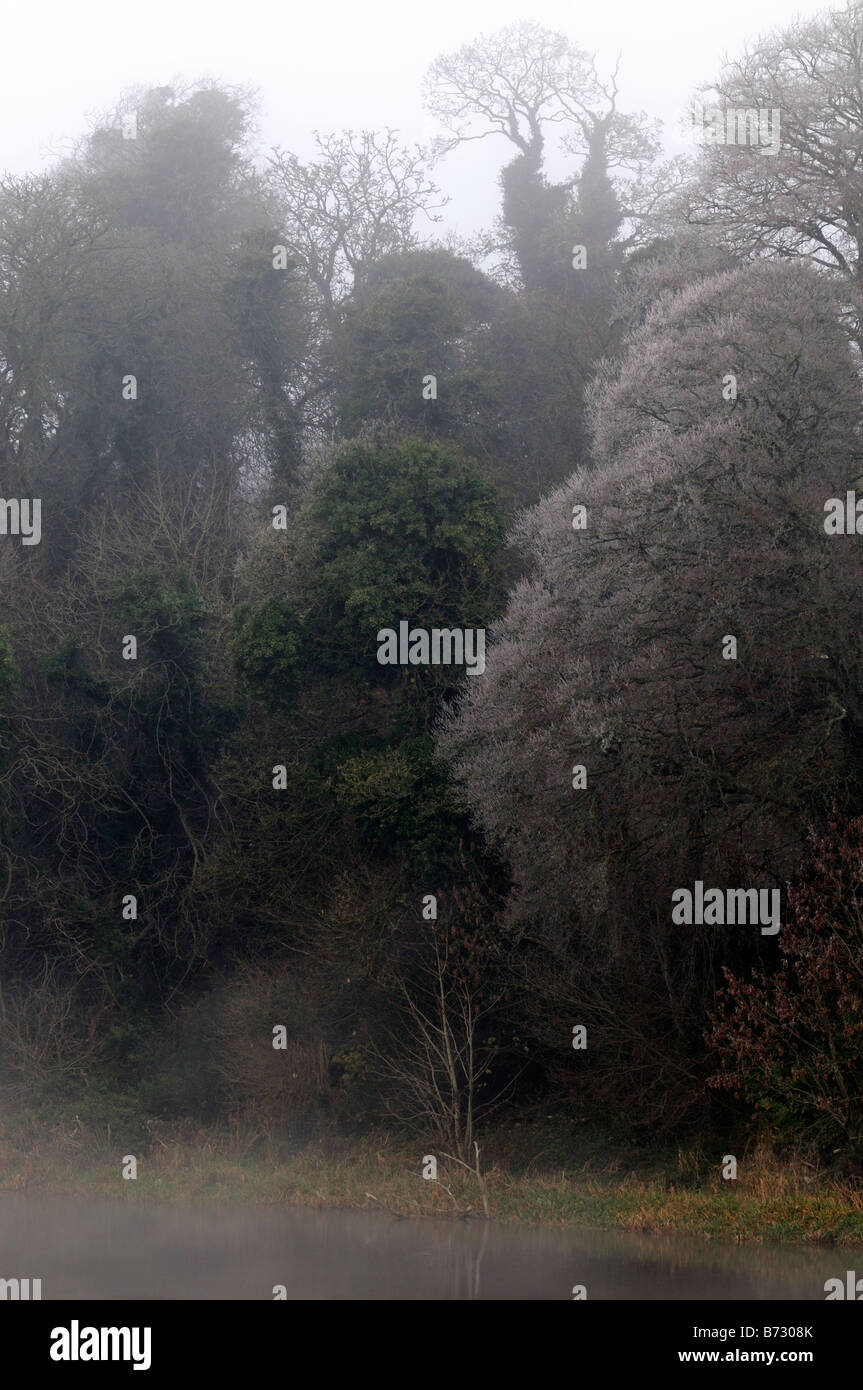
(342, 63)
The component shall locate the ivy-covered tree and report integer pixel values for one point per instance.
(394, 528)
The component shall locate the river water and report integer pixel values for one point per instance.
(115, 1250)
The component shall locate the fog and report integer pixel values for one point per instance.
(343, 66)
(431, 645)
(110, 1250)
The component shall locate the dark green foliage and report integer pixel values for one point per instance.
(539, 219)
(398, 529)
(400, 797)
(419, 313)
(509, 369)
(266, 646)
(163, 610)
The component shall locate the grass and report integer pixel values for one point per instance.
(535, 1176)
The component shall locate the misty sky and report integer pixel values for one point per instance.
(333, 65)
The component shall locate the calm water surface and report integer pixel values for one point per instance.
(95, 1250)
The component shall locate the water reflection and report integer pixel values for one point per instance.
(90, 1250)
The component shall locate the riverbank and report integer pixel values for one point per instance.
(769, 1201)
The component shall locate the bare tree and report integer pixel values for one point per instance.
(355, 203)
(805, 200)
(438, 1064)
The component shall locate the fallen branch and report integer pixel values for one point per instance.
(399, 1215)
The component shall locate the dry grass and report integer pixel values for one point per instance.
(769, 1201)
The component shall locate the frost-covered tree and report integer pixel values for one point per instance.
(731, 418)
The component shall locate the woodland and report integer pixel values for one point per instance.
(247, 869)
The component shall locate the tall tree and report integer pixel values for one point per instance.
(519, 83)
(703, 521)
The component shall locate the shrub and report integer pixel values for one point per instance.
(792, 1042)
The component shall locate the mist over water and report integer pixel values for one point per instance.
(106, 1250)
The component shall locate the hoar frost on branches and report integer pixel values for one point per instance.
(703, 519)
